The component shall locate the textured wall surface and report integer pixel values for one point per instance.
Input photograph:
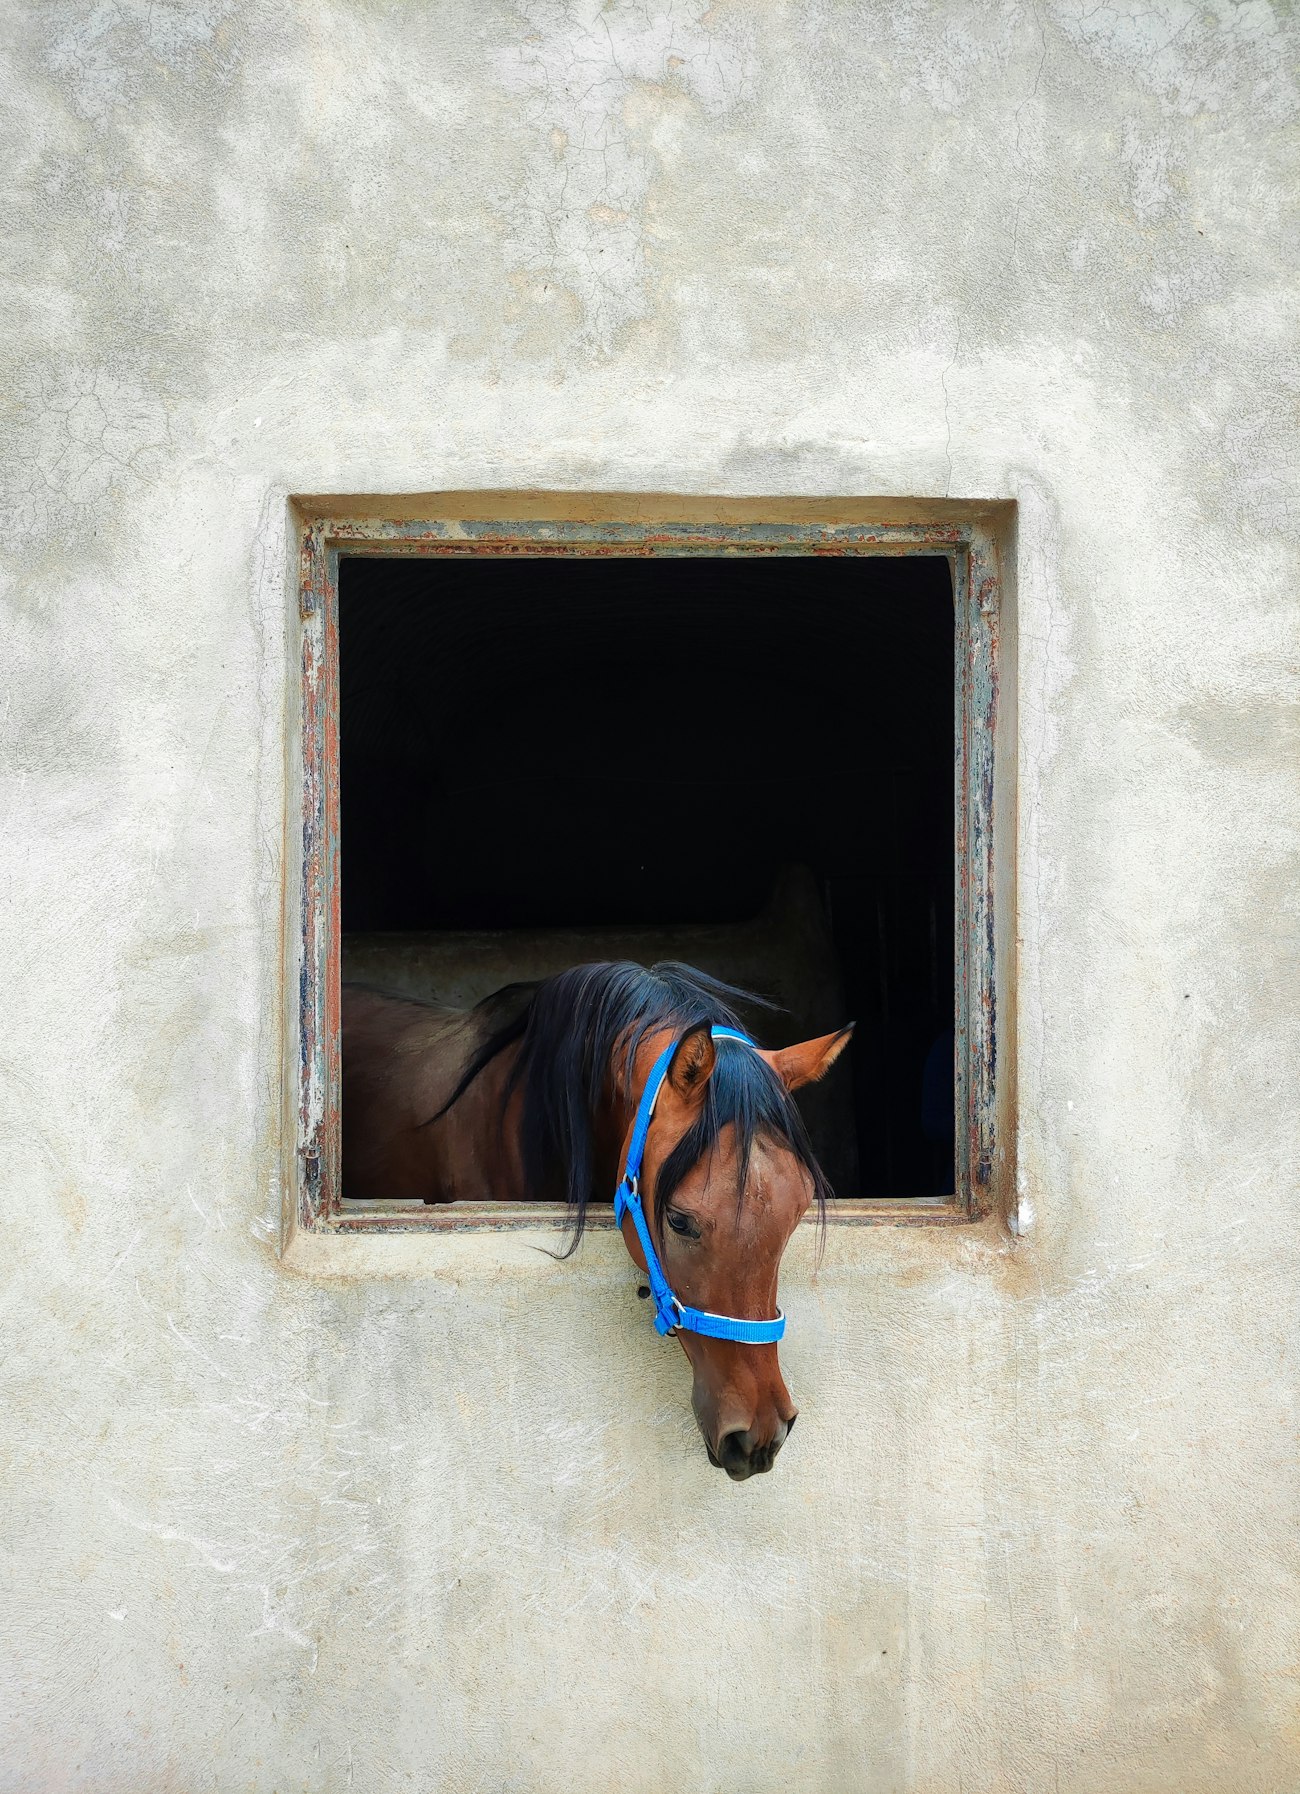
(447, 1523)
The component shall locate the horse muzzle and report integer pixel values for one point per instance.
(741, 1454)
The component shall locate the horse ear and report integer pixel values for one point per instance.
(810, 1060)
(692, 1064)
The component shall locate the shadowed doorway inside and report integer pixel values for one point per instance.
(744, 762)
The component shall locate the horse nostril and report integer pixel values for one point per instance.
(733, 1454)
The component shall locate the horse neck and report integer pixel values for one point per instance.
(478, 1139)
(481, 1139)
(488, 1122)
(609, 1122)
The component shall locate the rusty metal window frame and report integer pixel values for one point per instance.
(974, 540)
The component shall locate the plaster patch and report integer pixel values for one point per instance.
(947, 53)
(1193, 57)
(595, 83)
(1166, 295)
(1152, 166)
(87, 434)
(106, 51)
(1022, 1218)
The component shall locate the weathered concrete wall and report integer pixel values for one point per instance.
(452, 1528)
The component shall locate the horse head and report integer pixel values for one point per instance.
(728, 1175)
(612, 1071)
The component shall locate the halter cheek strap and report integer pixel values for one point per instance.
(670, 1314)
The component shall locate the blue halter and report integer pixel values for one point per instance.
(670, 1314)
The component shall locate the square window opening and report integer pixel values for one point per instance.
(773, 765)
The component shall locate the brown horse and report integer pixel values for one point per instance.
(531, 1097)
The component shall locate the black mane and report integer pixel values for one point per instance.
(569, 1034)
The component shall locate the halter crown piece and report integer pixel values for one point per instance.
(670, 1314)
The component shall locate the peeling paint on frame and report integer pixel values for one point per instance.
(974, 540)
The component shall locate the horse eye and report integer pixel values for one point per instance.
(681, 1223)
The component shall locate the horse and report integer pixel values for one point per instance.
(541, 1093)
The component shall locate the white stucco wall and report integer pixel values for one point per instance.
(452, 1528)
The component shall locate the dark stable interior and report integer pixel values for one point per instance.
(529, 742)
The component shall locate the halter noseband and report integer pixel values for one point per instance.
(670, 1314)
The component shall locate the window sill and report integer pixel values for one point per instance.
(533, 1217)
(470, 1240)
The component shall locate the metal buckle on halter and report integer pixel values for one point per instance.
(671, 1329)
(627, 1187)
(676, 1305)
